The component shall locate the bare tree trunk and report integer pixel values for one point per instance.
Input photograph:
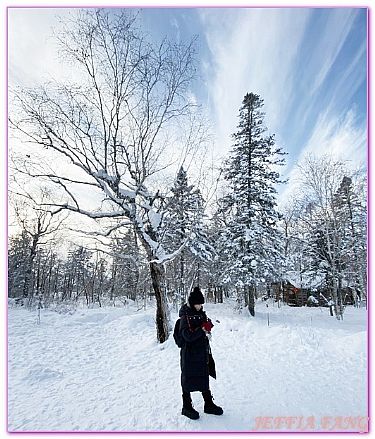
(251, 299)
(113, 281)
(337, 299)
(87, 295)
(162, 312)
(56, 283)
(182, 275)
(220, 292)
(48, 288)
(38, 276)
(199, 273)
(28, 273)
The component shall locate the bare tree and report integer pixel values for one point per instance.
(112, 127)
(330, 222)
(41, 225)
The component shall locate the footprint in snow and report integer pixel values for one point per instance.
(40, 373)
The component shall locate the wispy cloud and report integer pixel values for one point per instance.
(252, 50)
(33, 52)
(305, 66)
(175, 24)
(341, 138)
(328, 44)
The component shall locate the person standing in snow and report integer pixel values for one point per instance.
(196, 362)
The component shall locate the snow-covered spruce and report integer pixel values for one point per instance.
(250, 240)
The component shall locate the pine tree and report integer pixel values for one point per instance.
(185, 233)
(76, 270)
(18, 256)
(336, 228)
(252, 239)
(216, 270)
(128, 268)
(350, 204)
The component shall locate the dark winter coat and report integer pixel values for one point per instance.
(195, 352)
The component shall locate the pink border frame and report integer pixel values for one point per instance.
(369, 234)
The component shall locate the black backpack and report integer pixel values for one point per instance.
(180, 342)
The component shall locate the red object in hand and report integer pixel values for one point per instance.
(207, 326)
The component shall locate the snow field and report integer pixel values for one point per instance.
(102, 369)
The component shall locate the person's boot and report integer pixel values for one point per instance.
(187, 408)
(209, 406)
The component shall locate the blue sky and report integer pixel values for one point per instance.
(302, 61)
(308, 64)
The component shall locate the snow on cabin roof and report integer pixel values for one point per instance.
(307, 280)
(310, 280)
(294, 278)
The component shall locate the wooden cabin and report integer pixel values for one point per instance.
(295, 296)
(289, 293)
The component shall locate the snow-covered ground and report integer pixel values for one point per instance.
(102, 370)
